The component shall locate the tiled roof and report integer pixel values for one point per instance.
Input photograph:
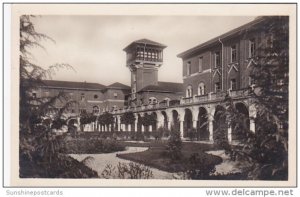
(73, 85)
(118, 86)
(221, 37)
(146, 42)
(164, 87)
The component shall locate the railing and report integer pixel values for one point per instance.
(216, 96)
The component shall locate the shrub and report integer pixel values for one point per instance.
(91, 146)
(174, 145)
(127, 171)
(201, 166)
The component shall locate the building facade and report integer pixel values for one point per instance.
(210, 70)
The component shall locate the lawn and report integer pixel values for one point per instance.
(157, 156)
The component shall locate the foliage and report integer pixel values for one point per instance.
(148, 120)
(91, 145)
(106, 119)
(192, 134)
(127, 171)
(174, 144)
(38, 144)
(128, 118)
(266, 150)
(86, 118)
(201, 166)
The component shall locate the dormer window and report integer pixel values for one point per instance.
(115, 95)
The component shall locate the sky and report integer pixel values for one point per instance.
(93, 45)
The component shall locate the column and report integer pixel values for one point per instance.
(129, 127)
(143, 128)
(252, 125)
(169, 125)
(119, 123)
(252, 116)
(150, 128)
(195, 124)
(210, 128)
(135, 125)
(181, 128)
(229, 135)
(109, 128)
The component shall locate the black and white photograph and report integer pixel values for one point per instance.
(155, 97)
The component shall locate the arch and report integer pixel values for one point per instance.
(201, 88)
(202, 125)
(188, 121)
(189, 91)
(243, 122)
(220, 128)
(175, 118)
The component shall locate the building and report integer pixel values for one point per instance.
(211, 70)
(90, 97)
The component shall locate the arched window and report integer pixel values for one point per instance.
(189, 91)
(152, 100)
(96, 110)
(201, 89)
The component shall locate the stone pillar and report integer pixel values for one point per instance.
(181, 128)
(229, 135)
(195, 124)
(252, 116)
(135, 125)
(119, 123)
(169, 125)
(210, 128)
(129, 127)
(143, 128)
(109, 128)
(150, 128)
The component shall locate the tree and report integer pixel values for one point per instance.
(174, 144)
(86, 118)
(128, 118)
(38, 146)
(106, 119)
(266, 150)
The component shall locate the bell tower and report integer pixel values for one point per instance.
(144, 57)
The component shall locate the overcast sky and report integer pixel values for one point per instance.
(94, 45)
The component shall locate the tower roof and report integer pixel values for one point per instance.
(145, 41)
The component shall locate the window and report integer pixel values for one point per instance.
(188, 68)
(201, 89)
(47, 93)
(72, 111)
(217, 59)
(233, 53)
(200, 64)
(82, 98)
(115, 95)
(95, 96)
(251, 48)
(96, 110)
(233, 84)
(34, 95)
(152, 100)
(189, 91)
(217, 87)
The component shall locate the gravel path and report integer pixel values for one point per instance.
(101, 160)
